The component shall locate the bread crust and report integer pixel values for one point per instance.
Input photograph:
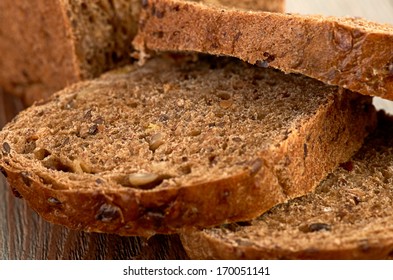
(299, 150)
(277, 6)
(348, 52)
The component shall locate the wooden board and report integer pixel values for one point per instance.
(25, 235)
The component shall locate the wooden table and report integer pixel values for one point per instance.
(24, 235)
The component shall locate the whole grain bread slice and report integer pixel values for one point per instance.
(47, 45)
(349, 216)
(179, 144)
(348, 52)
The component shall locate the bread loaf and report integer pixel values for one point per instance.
(349, 216)
(179, 144)
(47, 45)
(348, 52)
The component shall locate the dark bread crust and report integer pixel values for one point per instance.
(348, 52)
(307, 130)
(349, 216)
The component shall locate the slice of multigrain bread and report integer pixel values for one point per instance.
(47, 45)
(348, 52)
(350, 216)
(179, 144)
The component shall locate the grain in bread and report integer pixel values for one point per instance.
(348, 52)
(47, 45)
(179, 144)
(349, 216)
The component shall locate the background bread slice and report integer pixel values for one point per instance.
(47, 45)
(179, 144)
(349, 52)
(348, 217)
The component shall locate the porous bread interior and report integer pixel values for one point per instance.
(187, 124)
(348, 215)
(101, 32)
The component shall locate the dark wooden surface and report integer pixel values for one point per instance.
(24, 235)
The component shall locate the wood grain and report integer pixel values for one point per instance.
(25, 235)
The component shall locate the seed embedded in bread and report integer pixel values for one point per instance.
(142, 179)
(156, 141)
(6, 148)
(54, 201)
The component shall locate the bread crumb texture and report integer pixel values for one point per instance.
(178, 143)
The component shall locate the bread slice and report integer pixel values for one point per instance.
(348, 52)
(350, 216)
(179, 144)
(47, 45)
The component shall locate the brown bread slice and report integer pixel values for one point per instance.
(47, 45)
(348, 52)
(350, 216)
(177, 144)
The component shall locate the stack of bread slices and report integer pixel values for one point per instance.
(249, 132)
